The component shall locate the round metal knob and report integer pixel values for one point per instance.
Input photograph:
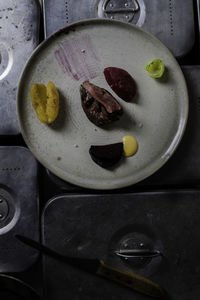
(4, 209)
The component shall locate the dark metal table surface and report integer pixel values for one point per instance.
(95, 226)
(35, 201)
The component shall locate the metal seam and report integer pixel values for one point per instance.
(171, 18)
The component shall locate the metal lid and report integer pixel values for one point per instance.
(94, 226)
(171, 21)
(19, 31)
(18, 207)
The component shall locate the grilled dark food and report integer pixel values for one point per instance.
(99, 105)
(106, 155)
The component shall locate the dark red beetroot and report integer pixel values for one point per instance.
(106, 155)
(121, 82)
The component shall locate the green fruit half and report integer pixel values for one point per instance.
(155, 68)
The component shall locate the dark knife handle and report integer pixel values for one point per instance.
(133, 281)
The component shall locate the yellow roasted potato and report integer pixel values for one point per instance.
(45, 101)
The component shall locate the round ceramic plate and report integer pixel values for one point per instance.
(156, 118)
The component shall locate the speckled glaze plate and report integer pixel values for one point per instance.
(157, 116)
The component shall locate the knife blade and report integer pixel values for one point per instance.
(99, 268)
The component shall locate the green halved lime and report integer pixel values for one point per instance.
(155, 68)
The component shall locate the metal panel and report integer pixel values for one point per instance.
(198, 12)
(18, 207)
(19, 35)
(94, 226)
(172, 21)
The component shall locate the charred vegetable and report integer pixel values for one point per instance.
(106, 155)
(121, 82)
(99, 105)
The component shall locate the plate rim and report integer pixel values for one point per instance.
(176, 140)
(9, 279)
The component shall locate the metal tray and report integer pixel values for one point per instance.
(19, 33)
(18, 207)
(94, 226)
(171, 21)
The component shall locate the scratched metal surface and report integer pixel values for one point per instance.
(94, 226)
(172, 21)
(19, 35)
(18, 207)
(179, 210)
